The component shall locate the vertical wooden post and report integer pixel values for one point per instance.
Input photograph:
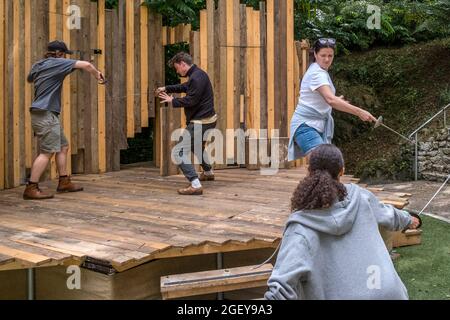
(3, 93)
(270, 65)
(66, 98)
(101, 88)
(263, 66)
(290, 62)
(144, 66)
(230, 49)
(137, 66)
(28, 87)
(250, 121)
(18, 89)
(210, 32)
(257, 71)
(203, 40)
(53, 35)
(130, 67)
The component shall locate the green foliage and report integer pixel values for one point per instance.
(425, 269)
(402, 22)
(178, 11)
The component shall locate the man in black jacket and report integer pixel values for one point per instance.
(198, 106)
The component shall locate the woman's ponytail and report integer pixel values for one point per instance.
(321, 188)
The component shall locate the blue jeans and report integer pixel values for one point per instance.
(181, 154)
(307, 138)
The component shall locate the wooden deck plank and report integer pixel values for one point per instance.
(133, 216)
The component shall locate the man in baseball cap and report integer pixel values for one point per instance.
(48, 76)
(58, 46)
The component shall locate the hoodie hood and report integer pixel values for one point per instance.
(337, 220)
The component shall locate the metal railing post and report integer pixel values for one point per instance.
(220, 266)
(416, 156)
(445, 118)
(31, 284)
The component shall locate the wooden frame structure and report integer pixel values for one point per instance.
(250, 56)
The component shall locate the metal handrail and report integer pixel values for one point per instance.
(431, 119)
(416, 132)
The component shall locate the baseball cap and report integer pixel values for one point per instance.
(58, 46)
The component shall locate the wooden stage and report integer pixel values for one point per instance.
(127, 218)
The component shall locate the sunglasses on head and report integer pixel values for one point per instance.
(327, 42)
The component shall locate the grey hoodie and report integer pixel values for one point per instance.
(338, 253)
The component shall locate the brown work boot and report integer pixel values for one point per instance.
(32, 192)
(206, 177)
(65, 185)
(190, 191)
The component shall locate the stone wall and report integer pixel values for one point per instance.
(434, 154)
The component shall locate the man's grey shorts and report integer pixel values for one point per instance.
(47, 128)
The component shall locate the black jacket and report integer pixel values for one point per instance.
(199, 100)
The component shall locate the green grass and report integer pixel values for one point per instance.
(425, 269)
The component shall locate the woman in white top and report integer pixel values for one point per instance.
(312, 123)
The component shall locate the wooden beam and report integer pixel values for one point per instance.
(3, 93)
(270, 65)
(250, 118)
(130, 67)
(137, 67)
(18, 86)
(53, 35)
(210, 31)
(28, 87)
(66, 96)
(204, 40)
(144, 66)
(101, 88)
(230, 50)
(290, 81)
(257, 70)
(198, 283)
(263, 66)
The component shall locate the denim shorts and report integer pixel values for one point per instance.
(307, 138)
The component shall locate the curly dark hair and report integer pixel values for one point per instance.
(321, 188)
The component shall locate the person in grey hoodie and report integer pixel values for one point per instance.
(331, 247)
